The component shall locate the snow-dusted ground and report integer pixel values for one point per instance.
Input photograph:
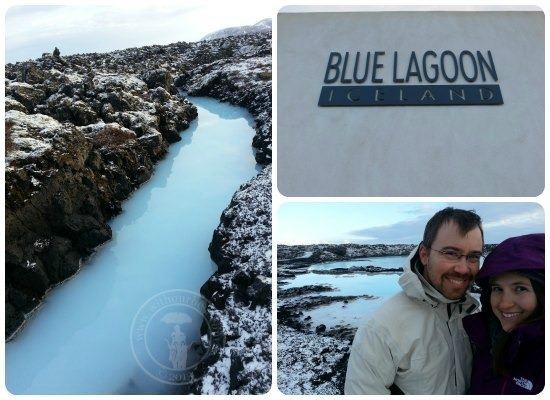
(241, 247)
(319, 310)
(261, 26)
(241, 292)
(28, 137)
(308, 363)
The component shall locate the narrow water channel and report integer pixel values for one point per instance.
(78, 342)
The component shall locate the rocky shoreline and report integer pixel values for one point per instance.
(311, 358)
(84, 131)
(240, 294)
(240, 290)
(78, 143)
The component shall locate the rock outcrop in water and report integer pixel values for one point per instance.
(84, 131)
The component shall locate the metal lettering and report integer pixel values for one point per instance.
(434, 67)
(474, 65)
(483, 63)
(409, 95)
(453, 91)
(344, 68)
(416, 72)
(364, 78)
(333, 66)
(427, 93)
(395, 78)
(444, 69)
(376, 66)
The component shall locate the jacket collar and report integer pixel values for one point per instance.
(530, 334)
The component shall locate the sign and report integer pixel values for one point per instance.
(423, 101)
(344, 71)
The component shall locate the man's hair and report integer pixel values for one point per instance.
(466, 221)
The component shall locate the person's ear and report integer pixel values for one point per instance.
(423, 252)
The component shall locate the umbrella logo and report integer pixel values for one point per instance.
(178, 344)
(170, 336)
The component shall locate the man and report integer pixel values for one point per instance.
(415, 343)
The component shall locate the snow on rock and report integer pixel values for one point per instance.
(261, 26)
(118, 112)
(314, 360)
(308, 363)
(30, 136)
(12, 104)
(80, 137)
(28, 95)
(240, 292)
(238, 70)
(331, 252)
(126, 82)
(241, 75)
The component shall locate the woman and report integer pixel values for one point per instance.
(508, 335)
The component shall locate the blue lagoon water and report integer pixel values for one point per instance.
(382, 262)
(379, 285)
(78, 342)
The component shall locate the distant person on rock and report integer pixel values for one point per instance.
(508, 335)
(56, 52)
(415, 343)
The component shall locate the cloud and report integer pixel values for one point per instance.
(33, 30)
(404, 232)
(33, 11)
(499, 221)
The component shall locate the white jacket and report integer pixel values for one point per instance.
(414, 340)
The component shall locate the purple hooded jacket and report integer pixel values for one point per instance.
(525, 347)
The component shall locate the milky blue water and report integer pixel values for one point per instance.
(78, 342)
(353, 313)
(382, 262)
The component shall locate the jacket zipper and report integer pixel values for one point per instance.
(449, 313)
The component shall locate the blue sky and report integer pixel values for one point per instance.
(389, 222)
(33, 30)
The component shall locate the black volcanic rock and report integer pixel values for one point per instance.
(63, 184)
(319, 367)
(240, 292)
(83, 132)
(246, 83)
(303, 290)
(159, 78)
(28, 95)
(327, 252)
(370, 269)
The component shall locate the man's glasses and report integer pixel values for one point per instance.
(452, 255)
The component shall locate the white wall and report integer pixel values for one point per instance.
(410, 150)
